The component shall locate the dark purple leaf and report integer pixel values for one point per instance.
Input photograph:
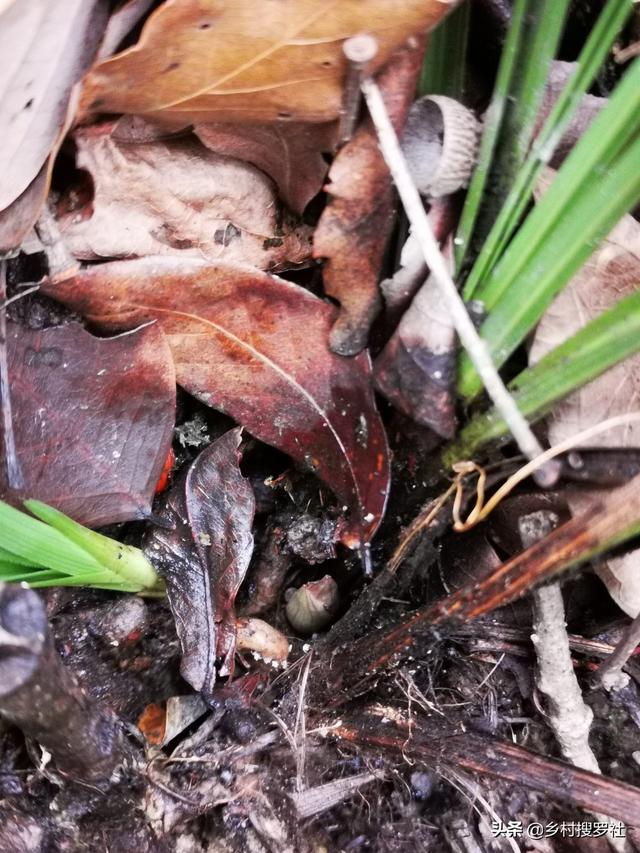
(93, 419)
(204, 556)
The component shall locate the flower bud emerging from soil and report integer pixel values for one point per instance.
(313, 606)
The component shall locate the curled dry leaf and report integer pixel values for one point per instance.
(203, 556)
(291, 153)
(611, 273)
(46, 46)
(93, 419)
(401, 287)
(354, 228)
(416, 371)
(160, 724)
(255, 347)
(173, 196)
(248, 60)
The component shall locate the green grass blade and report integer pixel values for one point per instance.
(126, 563)
(27, 575)
(8, 557)
(596, 209)
(545, 23)
(35, 543)
(445, 62)
(540, 36)
(492, 123)
(608, 135)
(588, 63)
(89, 580)
(604, 342)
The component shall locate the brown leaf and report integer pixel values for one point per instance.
(152, 723)
(588, 109)
(249, 60)
(204, 556)
(46, 46)
(291, 154)
(612, 273)
(93, 419)
(416, 371)
(354, 228)
(160, 724)
(173, 196)
(254, 346)
(401, 287)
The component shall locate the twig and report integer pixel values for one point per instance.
(15, 479)
(421, 228)
(39, 695)
(16, 298)
(435, 743)
(359, 51)
(569, 716)
(610, 673)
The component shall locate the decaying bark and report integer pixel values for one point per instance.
(432, 742)
(39, 695)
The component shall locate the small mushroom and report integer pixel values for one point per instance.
(440, 141)
(313, 606)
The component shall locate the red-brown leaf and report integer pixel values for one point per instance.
(93, 419)
(290, 153)
(204, 556)
(354, 228)
(255, 347)
(173, 196)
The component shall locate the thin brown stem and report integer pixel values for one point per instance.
(610, 673)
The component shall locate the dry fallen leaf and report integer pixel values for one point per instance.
(402, 286)
(416, 371)
(173, 196)
(291, 154)
(46, 46)
(353, 230)
(18, 219)
(93, 419)
(248, 60)
(255, 347)
(203, 555)
(121, 22)
(612, 273)
(590, 106)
